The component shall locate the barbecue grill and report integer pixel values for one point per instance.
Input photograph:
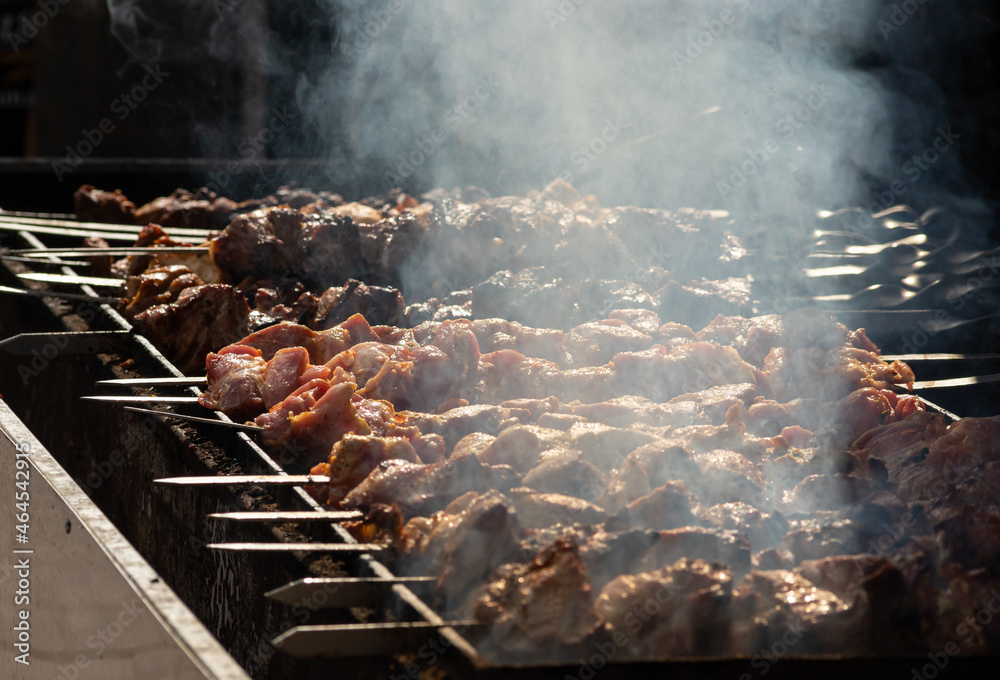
(275, 578)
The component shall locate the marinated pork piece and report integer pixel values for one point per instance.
(682, 610)
(462, 543)
(157, 286)
(183, 209)
(539, 510)
(111, 207)
(546, 604)
(566, 471)
(382, 305)
(202, 319)
(765, 530)
(425, 489)
(355, 456)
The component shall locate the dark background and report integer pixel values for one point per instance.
(232, 62)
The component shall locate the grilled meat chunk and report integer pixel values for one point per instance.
(201, 319)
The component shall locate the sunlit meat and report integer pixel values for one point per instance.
(463, 544)
(680, 610)
(547, 603)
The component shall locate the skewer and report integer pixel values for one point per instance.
(135, 399)
(940, 357)
(290, 516)
(957, 382)
(73, 342)
(197, 419)
(245, 480)
(298, 547)
(155, 382)
(363, 639)
(54, 294)
(73, 279)
(81, 233)
(342, 592)
(102, 226)
(37, 215)
(114, 252)
(38, 262)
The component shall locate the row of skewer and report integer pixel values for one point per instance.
(338, 592)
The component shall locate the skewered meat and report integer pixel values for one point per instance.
(200, 319)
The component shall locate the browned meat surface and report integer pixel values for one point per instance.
(547, 603)
(462, 543)
(202, 319)
(539, 510)
(678, 611)
(199, 210)
(157, 286)
(111, 207)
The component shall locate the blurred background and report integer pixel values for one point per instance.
(244, 95)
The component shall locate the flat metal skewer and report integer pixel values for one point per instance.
(82, 233)
(197, 419)
(289, 516)
(39, 262)
(245, 480)
(139, 399)
(101, 226)
(73, 279)
(299, 547)
(155, 382)
(343, 592)
(30, 292)
(113, 252)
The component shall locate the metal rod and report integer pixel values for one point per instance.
(155, 382)
(290, 516)
(134, 399)
(114, 252)
(299, 547)
(245, 480)
(362, 639)
(326, 593)
(73, 224)
(37, 261)
(940, 357)
(30, 292)
(80, 233)
(957, 382)
(85, 342)
(196, 419)
(72, 279)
